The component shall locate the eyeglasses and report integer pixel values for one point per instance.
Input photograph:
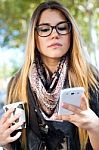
(46, 29)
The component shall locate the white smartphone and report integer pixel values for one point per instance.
(71, 96)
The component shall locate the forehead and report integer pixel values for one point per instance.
(51, 16)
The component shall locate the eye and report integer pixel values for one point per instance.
(43, 29)
(63, 27)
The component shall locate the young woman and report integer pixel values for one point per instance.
(54, 60)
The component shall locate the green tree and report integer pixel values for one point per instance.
(14, 20)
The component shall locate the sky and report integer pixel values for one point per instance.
(7, 58)
(6, 55)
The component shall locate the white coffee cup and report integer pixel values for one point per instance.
(18, 109)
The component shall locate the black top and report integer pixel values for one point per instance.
(52, 133)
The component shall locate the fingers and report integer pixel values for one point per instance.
(6, 127)
(63, 117)
(84, 103)
(72, 108)
(13, 128)
(10, 139)
(82, 116)
(7, 120)
(6, 115)
(14, 138)
(75, 109)
(5, 134)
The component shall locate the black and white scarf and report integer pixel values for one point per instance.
(47, 86)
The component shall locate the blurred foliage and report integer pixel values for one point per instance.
(7, 71)
(15, 16)
(86, 14)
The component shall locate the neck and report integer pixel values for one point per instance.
(51, 63)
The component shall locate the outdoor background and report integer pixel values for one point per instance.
(14, 22)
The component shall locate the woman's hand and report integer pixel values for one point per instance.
(82, 116)
(6, 128)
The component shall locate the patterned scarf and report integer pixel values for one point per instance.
(47, 86)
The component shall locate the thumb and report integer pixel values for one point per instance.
(84, 103)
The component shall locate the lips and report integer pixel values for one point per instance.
(55, 45)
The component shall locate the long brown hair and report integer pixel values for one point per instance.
(79, 70)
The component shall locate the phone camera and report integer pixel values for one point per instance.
(72, 93)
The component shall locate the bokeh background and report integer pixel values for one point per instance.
(14, 22)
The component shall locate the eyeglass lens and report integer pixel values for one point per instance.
(62, 28)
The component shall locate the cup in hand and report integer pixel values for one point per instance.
(18, 109)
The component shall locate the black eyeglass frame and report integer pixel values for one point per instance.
(54, 27)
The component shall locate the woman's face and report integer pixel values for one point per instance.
(55, 45)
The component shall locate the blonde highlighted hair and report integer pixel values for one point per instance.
(80, 72)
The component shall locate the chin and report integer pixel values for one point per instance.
(58, 55)
(55, 57)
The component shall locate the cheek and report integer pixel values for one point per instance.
(66, 42)
(41, 44)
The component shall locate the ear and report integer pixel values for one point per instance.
(84, 103)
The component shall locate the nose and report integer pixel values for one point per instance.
(54, 33)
